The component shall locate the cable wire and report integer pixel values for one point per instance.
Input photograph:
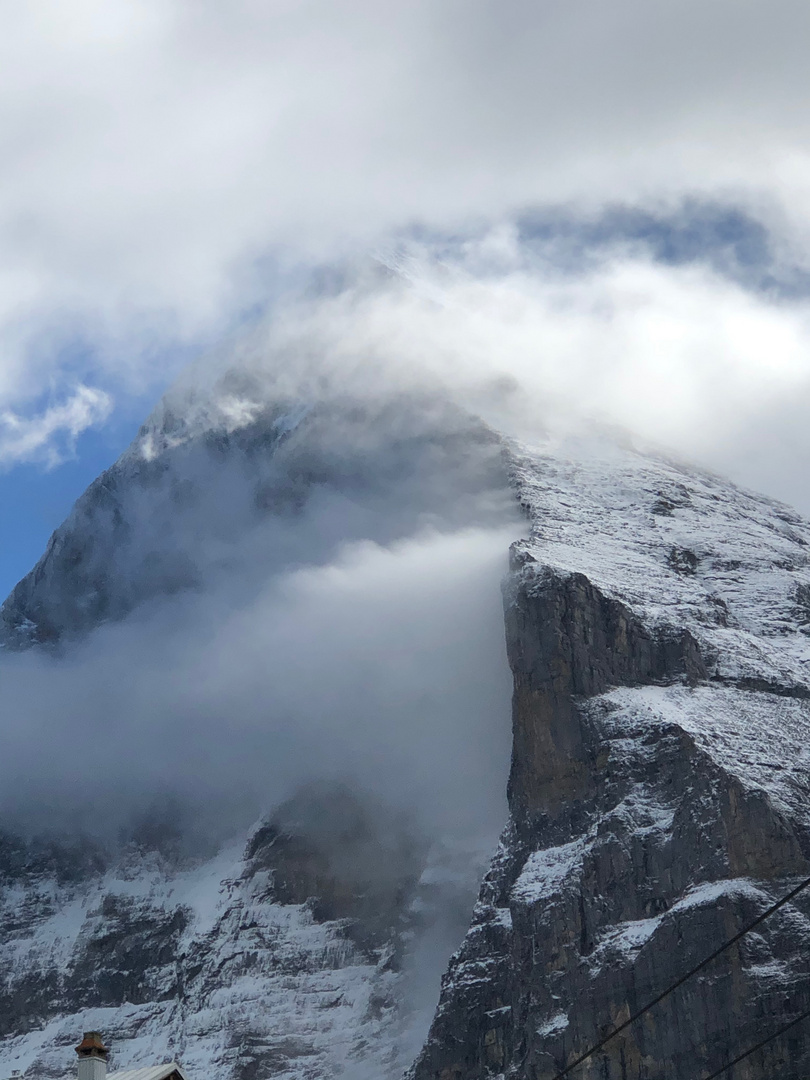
(759, 1045)
(717, 952)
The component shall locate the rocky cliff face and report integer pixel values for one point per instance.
(659, 786)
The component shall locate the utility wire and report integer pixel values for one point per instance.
(717, 952)
(759, 1045)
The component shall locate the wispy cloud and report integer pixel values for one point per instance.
(50, 435)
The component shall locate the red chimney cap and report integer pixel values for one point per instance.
(92, 1045)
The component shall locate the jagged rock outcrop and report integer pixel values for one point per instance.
(659, 790)
(567, 641)
(327, 849)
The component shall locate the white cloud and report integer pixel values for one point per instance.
(682, 356)
(384, 665)
(152, 147)
(49, 435)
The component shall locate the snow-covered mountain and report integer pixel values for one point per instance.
(658, 631)
(311, 946)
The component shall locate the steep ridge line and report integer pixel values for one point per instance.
(689, 974)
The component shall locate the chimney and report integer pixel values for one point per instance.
(92, 1057)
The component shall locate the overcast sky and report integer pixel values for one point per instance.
(622, 192)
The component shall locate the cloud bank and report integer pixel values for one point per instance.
(683, 355)
(383, 668)
(172, 169)
(168, 165)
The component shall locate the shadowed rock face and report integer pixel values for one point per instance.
(566, 641)
(659, 802)
(586, 912)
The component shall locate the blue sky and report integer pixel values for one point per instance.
(35, 499)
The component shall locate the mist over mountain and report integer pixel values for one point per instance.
(313, 589)
(271, 597)
(258, 751)
(257, 746)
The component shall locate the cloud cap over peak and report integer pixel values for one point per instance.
(152, 148)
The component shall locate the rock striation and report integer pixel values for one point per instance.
(659, 785)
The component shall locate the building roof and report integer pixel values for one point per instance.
(154, 1072)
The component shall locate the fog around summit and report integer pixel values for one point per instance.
(362, 639)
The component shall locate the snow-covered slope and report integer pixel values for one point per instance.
(680, 547)
(290, 958)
